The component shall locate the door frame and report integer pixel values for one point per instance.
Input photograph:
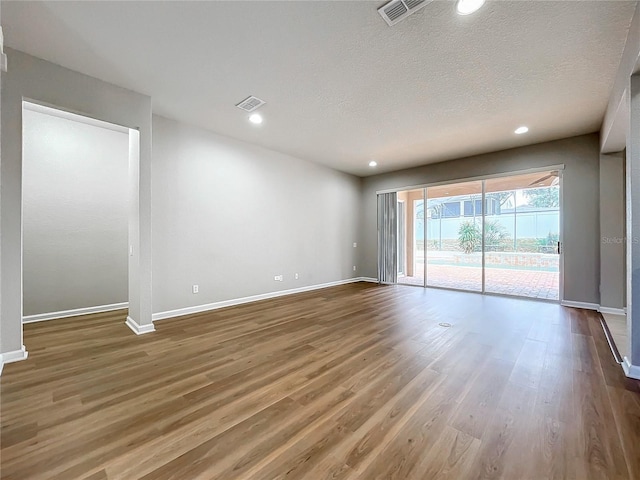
(561, 237)
(133, 194)
(402, 237)
(558, 167)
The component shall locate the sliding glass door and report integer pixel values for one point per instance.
(522, 235)
(499, 235)
(454, 236)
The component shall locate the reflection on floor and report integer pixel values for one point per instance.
(525, 283)
(618, 327)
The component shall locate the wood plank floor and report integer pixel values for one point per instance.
(352, 382)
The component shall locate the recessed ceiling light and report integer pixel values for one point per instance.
(373, 163)
(521, 130)
(466, 7)
(256, 118)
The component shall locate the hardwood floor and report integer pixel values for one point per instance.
(354, 382)
(617, 325)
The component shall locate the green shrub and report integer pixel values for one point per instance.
(496, 237)
(469, 237)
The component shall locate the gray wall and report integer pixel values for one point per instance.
(615, 124)
(633, 226)
(612, 231)
(2, 74)
(581, 225)
(229, 216)
(44, 82)
(75, 214)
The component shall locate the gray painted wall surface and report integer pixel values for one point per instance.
(612, 231)
(1, 179)
(633, 224)
(31, 78)
(229, 216)
(75, 214)
(581, 224)
(616, 118)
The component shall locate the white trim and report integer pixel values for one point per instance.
(139, 329)
(3, 56)
(594, 306)
(368, 279)
(585, 305)
(471, 179)
(401, 239)
(561, 235)
(13, 356)
(253, 298)
(483, 235)
(73, 116)
(41, 317)
(631, 371)
(613, 311)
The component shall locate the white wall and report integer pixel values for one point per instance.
(229, 216)
(75, 214)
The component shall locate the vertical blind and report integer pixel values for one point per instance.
(387, 237)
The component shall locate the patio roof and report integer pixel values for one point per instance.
(499, 184)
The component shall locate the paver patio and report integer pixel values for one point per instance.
(526, 283)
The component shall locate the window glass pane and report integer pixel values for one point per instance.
(454, 241)
(468, 208)
(451, 209)
(521, 235)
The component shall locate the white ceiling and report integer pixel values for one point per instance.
(341, 86)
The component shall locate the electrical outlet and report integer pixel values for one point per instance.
(354, 268)
(195, 289)
(296, 276)
(278, 278)
(355, 244)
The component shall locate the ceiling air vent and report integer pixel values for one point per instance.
(249, 104)
(397, 10)
(413, 4)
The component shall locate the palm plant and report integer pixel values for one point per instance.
(495, 236)
(469, 237)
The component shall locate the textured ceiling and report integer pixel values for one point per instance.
(342, 87)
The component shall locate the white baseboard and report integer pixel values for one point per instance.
(613, 311)
(631, 371)
(585, 305)
(594, 306)
(13, 356)
(368, 279)
(253, 298)
(139, 329)
(41, 317)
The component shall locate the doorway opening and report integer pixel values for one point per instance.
(76, 210)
